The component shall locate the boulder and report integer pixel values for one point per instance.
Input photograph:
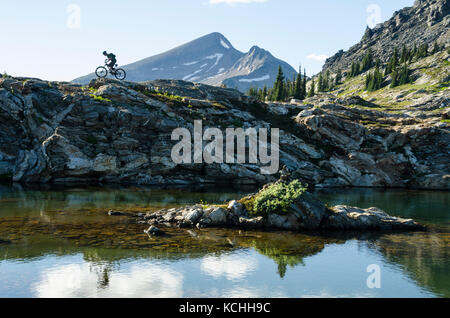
(343, 217)
(193, 215)
(237, 208)
(216, 217)
(252, 223)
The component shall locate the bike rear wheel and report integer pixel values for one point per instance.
(120, 74)
(101, 72)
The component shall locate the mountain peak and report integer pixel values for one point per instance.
(216, 38)
(214, 35)
(210, 59)
(255, 48)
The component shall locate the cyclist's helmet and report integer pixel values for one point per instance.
(105, 53)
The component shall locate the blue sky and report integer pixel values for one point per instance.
(50, 40)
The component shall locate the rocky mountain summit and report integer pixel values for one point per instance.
(427, 22)
(212, 60)
(120, 132)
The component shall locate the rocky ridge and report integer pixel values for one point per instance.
(426, 22)
(120, 132)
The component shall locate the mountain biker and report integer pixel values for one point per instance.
(112, 60)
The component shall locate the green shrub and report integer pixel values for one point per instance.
(100, 99)
(169, 96)
(277, 198)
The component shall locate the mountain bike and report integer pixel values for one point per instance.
(102, 71)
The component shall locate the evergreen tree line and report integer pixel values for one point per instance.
(397, 67)
(283, 88)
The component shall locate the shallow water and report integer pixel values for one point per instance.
(61, 243)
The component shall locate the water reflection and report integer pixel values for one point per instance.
(62, 244)
(228, 265)
(82, 280)
(431, 206)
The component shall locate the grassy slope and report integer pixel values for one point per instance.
(430, 74)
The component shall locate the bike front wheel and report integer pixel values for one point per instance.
(120, 74)
(101, 72)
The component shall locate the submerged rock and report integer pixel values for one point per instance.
(116, 213)
(4, 242)
(153, 230)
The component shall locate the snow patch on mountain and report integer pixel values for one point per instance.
(216, 56)
(259, 79)
(191, 75)
(190, 63)
(224, 44)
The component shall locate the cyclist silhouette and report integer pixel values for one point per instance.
(112, 60)
(110, 63)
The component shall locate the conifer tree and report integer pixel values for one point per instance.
(423, 51)
(298, 94)
(304, 93)
(326, 82)
(395, 58)
(404, 55)
(252, 92)
(338, 78)
(355, 69)
(389, 67)
(279, 87)
(352, 70)
(312, 89)
(404, 75)
(264, 93)
(400, 77)
(320, 83)
(367, 62)
(374, 80)
(378, 63)
(392, 63)
(394, 77)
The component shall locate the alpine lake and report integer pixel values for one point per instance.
(61, 242)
